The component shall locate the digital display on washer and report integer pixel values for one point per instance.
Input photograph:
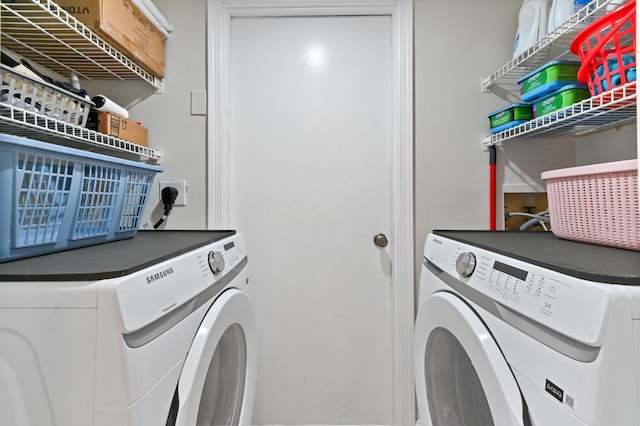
(508, 269)
(229, 246)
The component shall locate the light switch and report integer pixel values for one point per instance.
(198, 102)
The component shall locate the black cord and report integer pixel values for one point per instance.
(169, 195)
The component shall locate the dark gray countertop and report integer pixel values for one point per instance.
(109, 260)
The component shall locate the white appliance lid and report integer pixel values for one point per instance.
(581, 260)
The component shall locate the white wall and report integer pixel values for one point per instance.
(167, 115)
(456, 44)
(614, 145)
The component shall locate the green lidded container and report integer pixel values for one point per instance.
(566, 96)
(548, 79)
(510, 116)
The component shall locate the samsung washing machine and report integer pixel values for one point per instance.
(154, 330)
(523, 328)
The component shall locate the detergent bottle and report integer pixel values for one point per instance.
(562, 10)
(614, 4)
(532, 24)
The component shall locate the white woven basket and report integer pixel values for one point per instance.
(596, 204)
(43, 98)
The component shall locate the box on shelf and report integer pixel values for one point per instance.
(566, 96)
(57, 198)
(509, 116)
(548, 79)
(596, 204)
(119, 127)
(125, 26)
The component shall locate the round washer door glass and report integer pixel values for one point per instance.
(455, 394)
(221, 401)
(461, 376)
(217, 382)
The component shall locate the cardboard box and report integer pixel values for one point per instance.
(121, 23)
(119, 127)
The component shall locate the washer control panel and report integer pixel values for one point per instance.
(173, 283)
(511, 283)
(572, 306)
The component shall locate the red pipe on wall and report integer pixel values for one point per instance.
(492, 188)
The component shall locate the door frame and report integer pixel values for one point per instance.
(219, 15)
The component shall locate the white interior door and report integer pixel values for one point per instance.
(310, 185)
(327, 352)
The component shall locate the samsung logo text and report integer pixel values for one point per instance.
(159, 275)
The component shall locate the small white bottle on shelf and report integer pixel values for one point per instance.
(532, 24)
(614, 4)
(562, 10)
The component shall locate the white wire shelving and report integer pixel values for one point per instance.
(43, 31)
(615, 108)
(20, 122)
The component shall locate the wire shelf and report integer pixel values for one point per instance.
(20, 122)
(554, 46)
(44, 32)
(614, 108)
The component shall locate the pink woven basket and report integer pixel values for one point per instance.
(596, 204)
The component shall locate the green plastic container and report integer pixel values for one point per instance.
(568, 95)
(510, 116)
(548, 79)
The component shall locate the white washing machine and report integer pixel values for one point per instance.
(154, 330)
(522, 328)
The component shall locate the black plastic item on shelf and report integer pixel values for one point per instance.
(25, 67)
(62, 84)
(92, 120)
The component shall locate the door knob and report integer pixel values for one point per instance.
(380, 240)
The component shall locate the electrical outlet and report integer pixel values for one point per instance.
(181, 186)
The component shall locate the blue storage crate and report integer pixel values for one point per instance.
(55, 198)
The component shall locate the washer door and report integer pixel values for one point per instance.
(217, 382)
(462, 378)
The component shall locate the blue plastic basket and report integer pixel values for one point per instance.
(54, 198)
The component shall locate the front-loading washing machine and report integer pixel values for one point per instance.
(523, 328)
(154, 330)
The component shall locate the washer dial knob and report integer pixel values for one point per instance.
(216, 262)
(466, 264)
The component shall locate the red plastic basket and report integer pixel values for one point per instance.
(607, 50)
